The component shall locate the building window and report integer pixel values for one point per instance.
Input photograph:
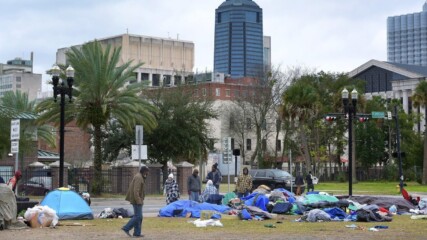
(217, 92)
(264, 144)
(231, 122)
(204, 92)
(232, 144)
(18, 79)
(279, 145)
(248, 123)
(227, 92)
(264, 125)
(248, 144)
(18, 85)
(236, 93)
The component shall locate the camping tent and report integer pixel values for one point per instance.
(67, 204)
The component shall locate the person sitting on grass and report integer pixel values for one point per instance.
(210, 189)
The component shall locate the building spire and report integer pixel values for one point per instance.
(425, 7)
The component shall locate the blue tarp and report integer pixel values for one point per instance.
(67, 204)
(261, 200)
(182, 207)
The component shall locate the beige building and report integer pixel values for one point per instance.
(18, 74)
(165, 61)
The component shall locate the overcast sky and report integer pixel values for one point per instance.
(328, 35)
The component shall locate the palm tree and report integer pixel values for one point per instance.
(300, 103)
(20, 104)
(420, 99)
(101, 94)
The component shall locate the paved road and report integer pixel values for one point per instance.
(151, 207)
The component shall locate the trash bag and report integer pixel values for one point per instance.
(41, 216)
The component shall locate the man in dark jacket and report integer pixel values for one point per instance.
(194, 186)
(215, 176)
(135, 196)
(299, 181)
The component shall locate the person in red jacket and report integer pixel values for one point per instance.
(14, 180)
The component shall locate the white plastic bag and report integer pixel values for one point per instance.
(41, 216)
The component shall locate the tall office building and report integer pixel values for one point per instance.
(407, 38)
(238, 39)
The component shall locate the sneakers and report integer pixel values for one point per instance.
(127, 232)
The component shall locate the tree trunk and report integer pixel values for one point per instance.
(97, 183)
(306, 151)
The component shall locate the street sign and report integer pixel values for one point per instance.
(14, 146)
(377, 114)
(389, 116)
(14, 129)
(139, 134)
(226, 150)
(135, 152)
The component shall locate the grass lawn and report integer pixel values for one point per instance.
(402, 227)
(359, 188)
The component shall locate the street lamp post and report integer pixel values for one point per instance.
(62, 90)
(350, 110)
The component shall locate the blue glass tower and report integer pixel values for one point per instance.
(238, 39)
(407, 38)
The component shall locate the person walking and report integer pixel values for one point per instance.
(215, 176)
(299, 181)
(244, 183)
(135, 195)
(171, 190)
(194, 186)
(309, 180)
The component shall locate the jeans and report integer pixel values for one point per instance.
(136, 221)
(240, 195)
(310, 187)
(194, 196)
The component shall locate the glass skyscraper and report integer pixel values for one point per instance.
(238, 39)
(407, 38)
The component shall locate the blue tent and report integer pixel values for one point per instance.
(67, 204)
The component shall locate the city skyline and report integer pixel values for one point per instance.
(328, 35)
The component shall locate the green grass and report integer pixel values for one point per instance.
(402, 227)
(359, 188)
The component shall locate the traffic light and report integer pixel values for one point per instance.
(363, 119)
(330, 118)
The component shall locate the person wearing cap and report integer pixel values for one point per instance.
(14, 180)
(194, 186)
(135, 195)
(171, 190)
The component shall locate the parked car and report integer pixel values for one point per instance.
(273, 178)
(37, 186)
(315, 180)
